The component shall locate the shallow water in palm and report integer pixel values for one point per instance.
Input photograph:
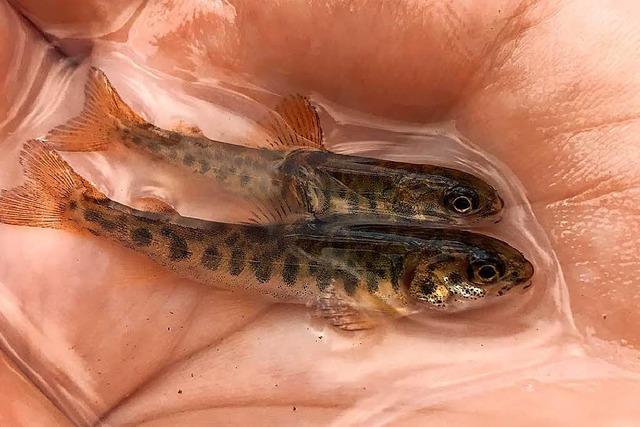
(108, 336)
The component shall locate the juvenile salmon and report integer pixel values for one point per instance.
(351, 274)
(295, 170)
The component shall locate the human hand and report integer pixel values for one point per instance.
(547, 88)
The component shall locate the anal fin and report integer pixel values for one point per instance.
(294, 123)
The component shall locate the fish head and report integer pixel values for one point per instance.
(450, 196)
(483, 268)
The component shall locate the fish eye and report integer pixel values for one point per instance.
(461, 200)
(487, 271)
(462, 204)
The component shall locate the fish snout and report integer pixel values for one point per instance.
(527, 271)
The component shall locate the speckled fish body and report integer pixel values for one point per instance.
(295, 172)
(237, 169)
(276, 260)
(368, 268)
(359, 189)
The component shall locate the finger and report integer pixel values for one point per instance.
(26, 404)
(77, 19)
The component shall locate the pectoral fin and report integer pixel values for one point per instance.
(276, 211)
(341, 313)
(294, 123)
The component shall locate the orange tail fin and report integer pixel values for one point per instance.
(47, 193)
(97, 126)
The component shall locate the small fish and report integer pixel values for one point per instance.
(359, 189)
(295, 171)
(353, 275)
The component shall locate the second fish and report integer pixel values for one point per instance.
(294, 176)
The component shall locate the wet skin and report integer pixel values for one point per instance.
(550, 88)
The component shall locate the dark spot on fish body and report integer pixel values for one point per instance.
(262, 266)
(244, 180)
(257, 234)
(97, 218)
(216, 227)
(290, 269)
(321, 273)
(221, 174)
(232, 239)
(73, 205)
(373, 203)
(204, 166)
(372, 281)
(178, 248)
(188, 159)
(145, 219)
(141, 236)
(277, 243)
(428, 287)
(349, 280)
(396, 271)
(353, 201)
(236, 262)
(211, 258)
(373, 276)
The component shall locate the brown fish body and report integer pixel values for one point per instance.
(269, 260)
(348, 273)
(239, 169)
(272, 260)
(295, 174)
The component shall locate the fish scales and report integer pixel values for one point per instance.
(241, 256)
(238, 168)
(352, 274)
(292, 169)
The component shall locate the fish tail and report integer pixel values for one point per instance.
(103, 115)
(48, 192)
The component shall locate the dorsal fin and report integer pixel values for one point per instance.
(294, 123)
